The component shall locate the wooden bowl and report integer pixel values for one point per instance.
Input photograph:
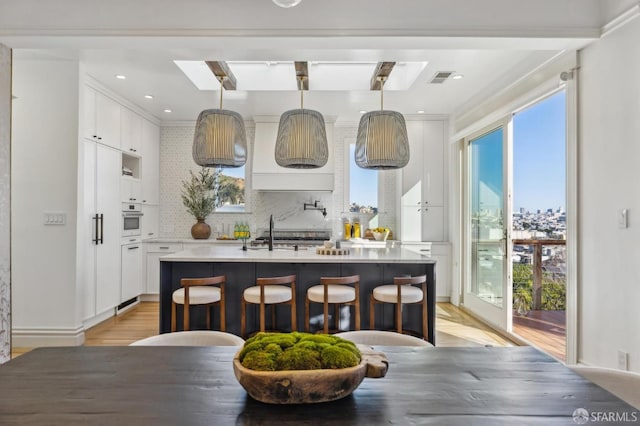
(309, 386)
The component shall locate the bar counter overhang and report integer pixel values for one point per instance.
(375, 266)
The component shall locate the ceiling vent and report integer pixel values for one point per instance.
(441, 77)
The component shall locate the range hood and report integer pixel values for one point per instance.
(269, 176)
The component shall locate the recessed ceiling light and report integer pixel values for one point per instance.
(287, 3)
(457, 76)
(363, 111)
(148, 96)
(121, 77)
(167, 110)
(420, 111)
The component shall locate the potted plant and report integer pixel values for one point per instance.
(199, 199)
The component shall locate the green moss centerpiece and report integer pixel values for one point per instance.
(297, 368)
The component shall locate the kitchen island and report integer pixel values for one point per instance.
(375, 266)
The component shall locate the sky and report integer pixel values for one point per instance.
(539, 155)
(363, 183)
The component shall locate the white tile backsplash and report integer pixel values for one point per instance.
(287, 207)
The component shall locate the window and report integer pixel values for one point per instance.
(363, 187)
(229, 188)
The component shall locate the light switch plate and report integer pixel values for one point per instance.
(55, 218)
(623, 219)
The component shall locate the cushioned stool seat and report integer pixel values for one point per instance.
(197, 295)
(272, 294)
(336, 293)
(389, 294)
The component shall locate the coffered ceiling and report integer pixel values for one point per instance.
(490, 43)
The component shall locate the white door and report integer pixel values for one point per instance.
(108, 166)
(488, 288)
(131, 271)
(87, 228)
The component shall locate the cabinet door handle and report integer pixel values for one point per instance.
(163, 248)
(99, 138)
(133, 248)
(150, 233)
(97, 230)
(101, 228)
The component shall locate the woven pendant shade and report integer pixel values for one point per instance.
(302, 140)
(220, 139)
(382, 141)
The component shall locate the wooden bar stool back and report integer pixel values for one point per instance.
(336, 291)
(404, 290)
(269, 291)
(199, 291)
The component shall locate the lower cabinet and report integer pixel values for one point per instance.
(154, 252)
(132, 280)
(441, 253)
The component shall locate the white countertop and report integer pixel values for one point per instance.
(210, 241)
(235, 254)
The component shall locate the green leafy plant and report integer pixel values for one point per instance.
(198, 193)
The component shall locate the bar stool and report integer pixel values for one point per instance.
(404, 290)
(269, 291)
(337, 291)
(199, 291)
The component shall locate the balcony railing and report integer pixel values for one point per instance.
(553, 272)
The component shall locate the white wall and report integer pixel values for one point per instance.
(44, 178)
(5, 204)
(609, 177)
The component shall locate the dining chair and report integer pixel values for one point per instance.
(404, 290)
(384, 338)
(269, 291)
(199, 291)
(623, 384)
(192, 338)
(334, 291)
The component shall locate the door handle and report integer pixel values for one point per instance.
(101, 228)
(133, 248)
(97, 230)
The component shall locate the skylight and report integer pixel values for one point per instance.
(274, 76)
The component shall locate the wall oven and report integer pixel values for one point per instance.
(131, 219)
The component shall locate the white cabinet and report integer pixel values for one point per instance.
(132, 284)
(130, 190)
(422, 200)
(101, 118)
(99, 223)
(154, 252)
(150, 163)
(131, 131)
(150, 221)
(441, 253)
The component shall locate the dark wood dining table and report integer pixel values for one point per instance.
(144, 385)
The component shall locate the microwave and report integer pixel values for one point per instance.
(131, 219)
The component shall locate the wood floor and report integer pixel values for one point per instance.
(545, 329)
(453, 328)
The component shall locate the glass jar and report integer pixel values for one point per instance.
(356, 229)
(347, 229)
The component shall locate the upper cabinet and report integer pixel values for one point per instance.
(131, 134)
(102, 119)
(269, 176)
(423, 201)
(150, 163)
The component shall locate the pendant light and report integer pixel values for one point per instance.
(220, 138)
(302, 137)
(382, 142)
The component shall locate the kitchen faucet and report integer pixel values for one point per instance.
(271, 233)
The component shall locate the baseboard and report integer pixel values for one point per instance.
(127, 308)
(150, 297)
(443, 299)
(36, 337)
(93, 321)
